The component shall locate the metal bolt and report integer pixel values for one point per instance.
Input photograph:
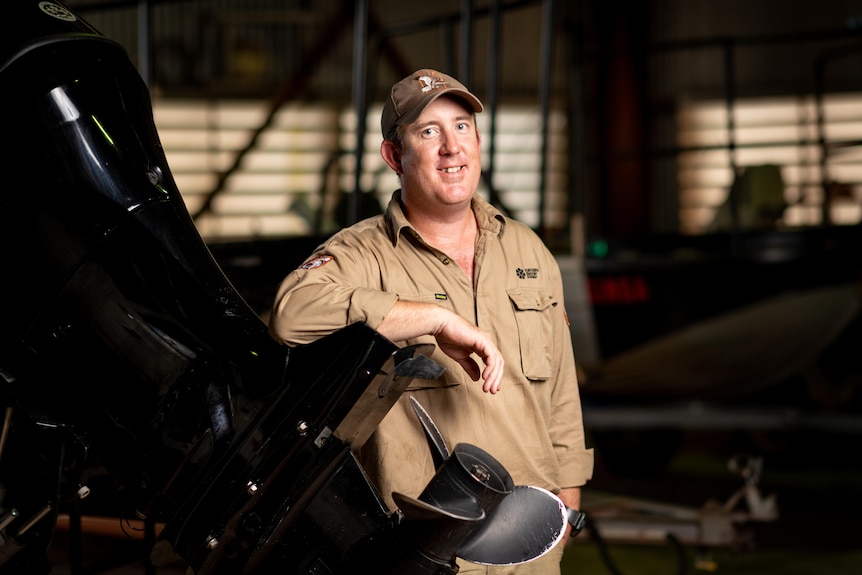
(8, 518)
(302, 427)
(481, 472)
(212, 543)
(251, 487)
(323, 438)
(83, 491)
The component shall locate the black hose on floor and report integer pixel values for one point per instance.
(609, 562)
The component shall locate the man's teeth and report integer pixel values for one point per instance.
(452, 170)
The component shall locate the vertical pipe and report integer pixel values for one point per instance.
(150, 541)
(730, 104)
(819, 90)
(76, 538)
(465, 70)
(448, 48)
(546, 56)
(573, 75)
(360, 41)
(492, 98)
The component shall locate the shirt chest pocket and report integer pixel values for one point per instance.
(533, 309)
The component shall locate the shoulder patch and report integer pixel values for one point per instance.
(316, 262)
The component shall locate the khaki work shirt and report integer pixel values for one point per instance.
(533, 425)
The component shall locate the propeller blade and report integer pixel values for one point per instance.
(525, 525)
(439, 451)
(454, 504)
(416, 510)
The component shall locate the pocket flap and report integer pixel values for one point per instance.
(530, 298)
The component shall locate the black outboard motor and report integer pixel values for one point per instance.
(125, 349)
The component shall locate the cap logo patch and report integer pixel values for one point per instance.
(316, 262)
(428, 83)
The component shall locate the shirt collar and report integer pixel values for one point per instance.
(489, 218)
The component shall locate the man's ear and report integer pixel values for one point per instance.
(391, 156)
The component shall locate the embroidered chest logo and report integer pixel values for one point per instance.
(429, 83)
(527, 273)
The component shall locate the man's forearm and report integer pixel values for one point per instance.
(571, 498)
(456, 337)
(407, 320)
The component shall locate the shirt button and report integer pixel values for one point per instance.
(446, 261)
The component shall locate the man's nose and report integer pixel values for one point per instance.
(451, 145)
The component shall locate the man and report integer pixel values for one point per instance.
(444, 266)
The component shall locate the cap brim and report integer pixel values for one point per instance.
(469, 99)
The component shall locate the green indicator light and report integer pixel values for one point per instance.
(598, 249)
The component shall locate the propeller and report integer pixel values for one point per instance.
(472, 509)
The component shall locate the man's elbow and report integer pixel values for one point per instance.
(293, 329)
(285, 329)
(279, 333)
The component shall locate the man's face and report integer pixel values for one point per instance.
(440, 159)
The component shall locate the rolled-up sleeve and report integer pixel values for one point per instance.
(566, 427)
(331, 290)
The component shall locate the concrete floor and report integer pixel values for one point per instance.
(815, 478)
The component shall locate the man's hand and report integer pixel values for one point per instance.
(571, 497)
(456, 337)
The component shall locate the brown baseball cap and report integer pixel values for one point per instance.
(411, 95)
